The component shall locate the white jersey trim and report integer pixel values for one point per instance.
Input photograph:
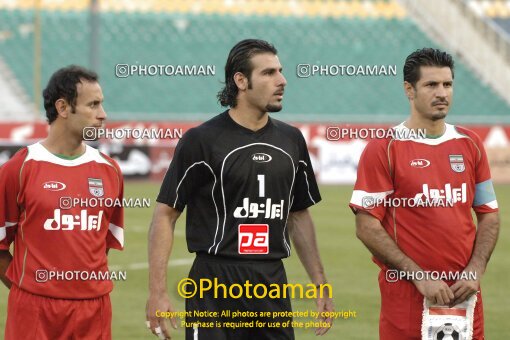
(3, 230)
(359, 195)
(117, 232)
(212, 193)
(307, 184)
(450, 133)
(492, 204)
(38, 152)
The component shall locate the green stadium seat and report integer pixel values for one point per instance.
(161, 38)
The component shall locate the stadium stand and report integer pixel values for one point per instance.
(14, 103)
(202, 32)
(498, 11)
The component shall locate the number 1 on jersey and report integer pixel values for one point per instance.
(261, 179)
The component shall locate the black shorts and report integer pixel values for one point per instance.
(248, 324)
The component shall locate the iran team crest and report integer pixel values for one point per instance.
(457, 163)
(96, 187)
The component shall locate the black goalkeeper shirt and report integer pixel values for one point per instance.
(239, 187)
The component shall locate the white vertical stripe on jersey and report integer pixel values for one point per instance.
(195, 331)
(307, 185)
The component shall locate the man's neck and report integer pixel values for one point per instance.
(249, 118)
(432, 128)
(59, 142)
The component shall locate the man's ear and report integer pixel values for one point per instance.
(63, 108)
(409, 90)
(241, 81)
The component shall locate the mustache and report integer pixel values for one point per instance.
(280, 90)
(438, 102)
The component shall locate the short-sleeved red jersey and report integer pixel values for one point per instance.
(449, 173)
(52, 234)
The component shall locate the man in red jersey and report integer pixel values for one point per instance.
(58, 273)
(441, 178)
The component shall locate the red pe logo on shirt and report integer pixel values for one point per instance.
(253, 239)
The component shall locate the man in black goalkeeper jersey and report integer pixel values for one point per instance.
(247, 181)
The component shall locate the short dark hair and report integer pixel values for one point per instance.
(239, 61)
(62, 84)
(425, 57)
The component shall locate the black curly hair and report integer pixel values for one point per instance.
(239, 61)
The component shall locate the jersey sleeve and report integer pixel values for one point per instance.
(306, 190)
(184, 175)
(10, 174)
(115, 236)
(485, 197)
(374, 180)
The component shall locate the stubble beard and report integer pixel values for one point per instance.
(273, 108)
(438, 115)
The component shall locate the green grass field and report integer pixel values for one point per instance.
(347, 263)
